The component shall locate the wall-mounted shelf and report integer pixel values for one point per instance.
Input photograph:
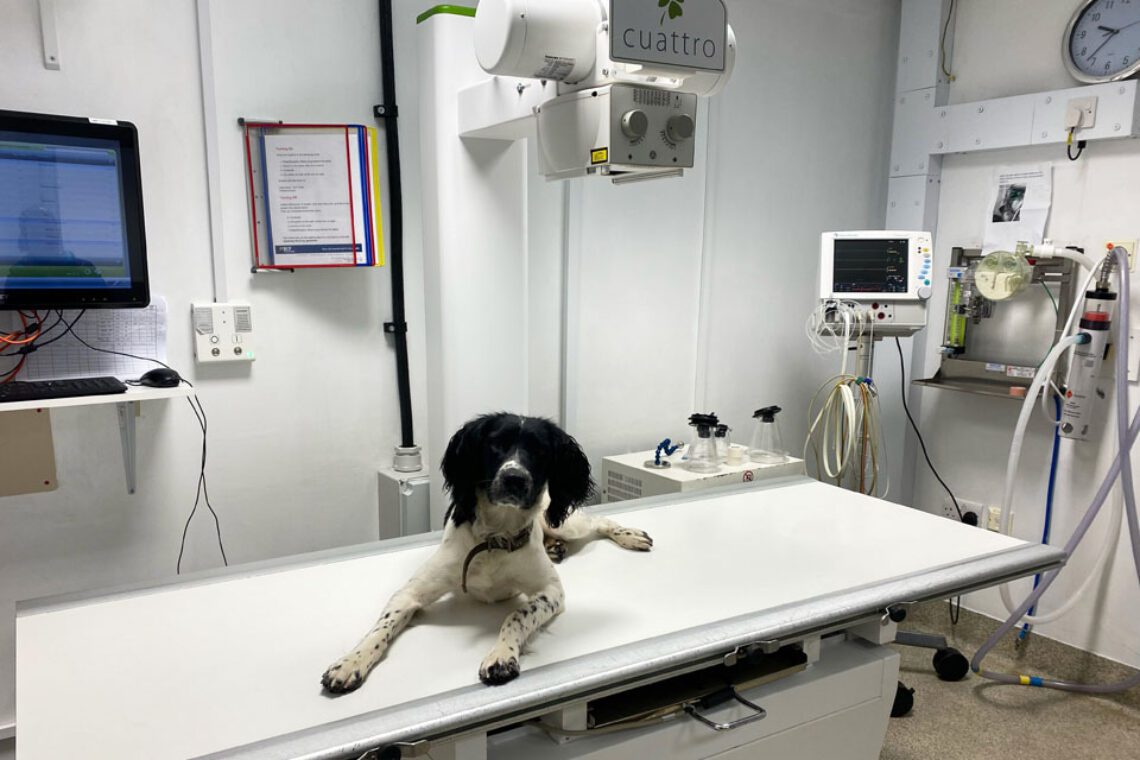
(126, 405)
(133, 394)
(991, 373)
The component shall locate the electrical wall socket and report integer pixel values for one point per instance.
(966, 506)
(1080, 113)
(223, 332)
(1128, 245)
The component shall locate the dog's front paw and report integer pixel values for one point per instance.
(555, 549)
(499, 667)
(632, 539)
(346, 674)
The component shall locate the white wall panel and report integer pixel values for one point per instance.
(799, 143)
(777, 185)
(295, 438)
(1003, 51)
(635, 256)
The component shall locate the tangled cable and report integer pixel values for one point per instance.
(845, 435)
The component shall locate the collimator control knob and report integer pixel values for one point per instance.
(679, 127)
(634, 124)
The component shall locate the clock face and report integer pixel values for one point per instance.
(1104, 40)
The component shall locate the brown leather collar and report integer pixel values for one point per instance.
(502, 543)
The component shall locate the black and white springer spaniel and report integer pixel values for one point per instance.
(515, 483)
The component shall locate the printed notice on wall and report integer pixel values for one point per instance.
(313, 216)
(138, 332)
(1018, 208)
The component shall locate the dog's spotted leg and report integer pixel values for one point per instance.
(425, 587)
(627, 538)
(583, 526)
(502, 664)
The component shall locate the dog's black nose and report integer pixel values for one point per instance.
(512, 484)
(515, 481)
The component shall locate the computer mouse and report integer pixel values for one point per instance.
(163, 377)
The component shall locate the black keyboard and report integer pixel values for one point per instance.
(39, 390)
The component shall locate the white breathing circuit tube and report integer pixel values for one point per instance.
(1120, 467)
(839, 425)
(1037, 387)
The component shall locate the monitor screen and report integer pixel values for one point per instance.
(71, 228)
(871, 266)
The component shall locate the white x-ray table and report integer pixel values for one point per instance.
(228, 664)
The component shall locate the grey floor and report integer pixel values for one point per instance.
(976, 718)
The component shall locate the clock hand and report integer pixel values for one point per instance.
(1101, 45)
(1110, 30)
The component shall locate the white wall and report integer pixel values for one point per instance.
(691, 295)
(1002, 50)
(633, 292)
(778, 182)
(295, 439)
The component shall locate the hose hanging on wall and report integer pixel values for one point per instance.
(388, 112)
(1121, 467)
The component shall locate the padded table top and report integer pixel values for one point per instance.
(205, 664)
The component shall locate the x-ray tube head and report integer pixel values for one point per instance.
(554, 40)
(620, 79)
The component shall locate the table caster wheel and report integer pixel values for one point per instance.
(950, 664)
(904, 701)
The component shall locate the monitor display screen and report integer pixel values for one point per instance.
(871, 266)
(70, 214)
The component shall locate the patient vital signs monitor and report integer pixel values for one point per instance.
(71, 218)
(887, 266)
(882, 275)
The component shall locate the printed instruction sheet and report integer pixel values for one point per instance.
(141, 332)
(313, 216)
(1019, 207)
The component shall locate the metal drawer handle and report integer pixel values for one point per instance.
(718, 698)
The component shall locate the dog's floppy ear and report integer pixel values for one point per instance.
(569, 482)
(460, 472)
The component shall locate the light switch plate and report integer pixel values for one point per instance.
(223, 332)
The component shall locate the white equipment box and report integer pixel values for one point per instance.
(223, 332)
(625, 476)
(405, 500)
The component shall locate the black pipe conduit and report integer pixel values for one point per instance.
(388, 112)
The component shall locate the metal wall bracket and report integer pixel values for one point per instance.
(501, 109)
(48, 35)
(128, 411)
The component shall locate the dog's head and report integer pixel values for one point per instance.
(512, 459)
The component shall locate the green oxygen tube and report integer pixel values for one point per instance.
(955, 320)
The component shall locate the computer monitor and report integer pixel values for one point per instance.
(71, 214)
